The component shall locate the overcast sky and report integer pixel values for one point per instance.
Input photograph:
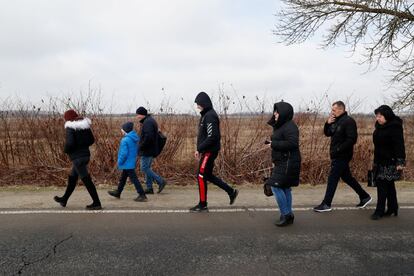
(147, 51)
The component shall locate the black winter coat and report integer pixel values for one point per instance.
(389, 143)
(285, 148)
(148, 145)
(344, 135)
(208, 139)
(79, 138)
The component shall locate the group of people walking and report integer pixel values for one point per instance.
(79, 138)
(389, 157)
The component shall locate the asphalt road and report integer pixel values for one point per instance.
(242, 243)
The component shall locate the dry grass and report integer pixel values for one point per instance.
(31, 145)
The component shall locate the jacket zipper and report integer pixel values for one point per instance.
(287, 163)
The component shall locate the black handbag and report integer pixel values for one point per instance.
(267, 190)
(386, 172)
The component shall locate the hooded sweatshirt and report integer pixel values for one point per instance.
(208, 139)
(128, 151)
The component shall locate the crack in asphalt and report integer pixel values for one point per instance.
(27, 263)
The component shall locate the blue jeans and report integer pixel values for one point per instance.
(284, 199)
(150, 175)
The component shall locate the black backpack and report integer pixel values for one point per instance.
(161, 141)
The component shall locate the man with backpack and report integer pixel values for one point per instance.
(149, 149)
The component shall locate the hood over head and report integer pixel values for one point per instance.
(285, 111)
(385, 111)
(203, 100)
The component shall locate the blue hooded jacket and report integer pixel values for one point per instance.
(128, 151)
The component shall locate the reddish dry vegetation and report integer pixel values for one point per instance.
(31, 148)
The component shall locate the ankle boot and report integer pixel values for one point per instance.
(390, 213)
(283, 221)
(96, 204)
(60, 200)
(290, 218)
(72, 180)
(376, 216)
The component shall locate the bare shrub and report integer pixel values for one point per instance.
(32, 139)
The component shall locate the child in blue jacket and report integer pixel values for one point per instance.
(127, 158)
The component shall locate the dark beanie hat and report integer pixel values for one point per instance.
(128, 127)
(71, 115)
(142, 111)
(385, 111)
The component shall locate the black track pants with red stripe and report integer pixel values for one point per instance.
(205, 174)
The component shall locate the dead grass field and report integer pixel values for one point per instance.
(31, 148)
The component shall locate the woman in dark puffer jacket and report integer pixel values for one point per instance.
(79, 138)
(286, 159)
(389, 159)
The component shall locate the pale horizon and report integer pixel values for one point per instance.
(145, 53)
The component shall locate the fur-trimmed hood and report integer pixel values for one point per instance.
(79, 125)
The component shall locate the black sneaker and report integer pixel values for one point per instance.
(115, 193)
(162, 186)
(60, 200)
(94, 206)
(141, 198)
(199, 209)
(364, 202)
(149, 191)
(233, 196)
(322, 208)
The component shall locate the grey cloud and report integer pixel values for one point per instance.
(135, 48)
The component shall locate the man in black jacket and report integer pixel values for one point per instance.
(343, 132)
(208, 147)
(148, 147)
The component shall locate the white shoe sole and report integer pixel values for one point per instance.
(195, 212)
(323, 211)
(365, 205)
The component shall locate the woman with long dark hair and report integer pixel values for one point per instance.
(389, 159)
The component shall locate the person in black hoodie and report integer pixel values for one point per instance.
(148, 149)
(286, 159)
(389, 159)
(79, 138)
(343, 132)
(208, 147)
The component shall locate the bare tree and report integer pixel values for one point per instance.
(383, 29)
